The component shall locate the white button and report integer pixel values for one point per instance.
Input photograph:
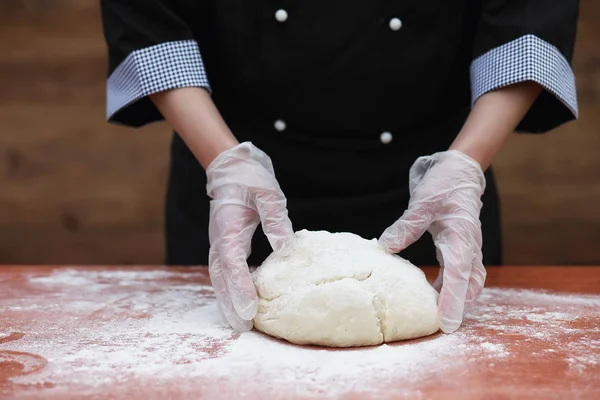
(395, 24)
(386, 137)
(280, 125)
(281, 15)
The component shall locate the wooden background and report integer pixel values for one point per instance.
(74, 189)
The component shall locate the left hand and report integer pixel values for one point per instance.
(445, 190)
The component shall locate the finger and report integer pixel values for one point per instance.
(477, 279)
(407, 229)
(273, 213)
(458, 257)
(224, 302)
(419, 169)
(234, 250)
(439, 282)
(239, 281)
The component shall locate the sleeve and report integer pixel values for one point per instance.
(528, 40)
(150, 49)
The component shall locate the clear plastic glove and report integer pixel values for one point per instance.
(445, 191)
(244, 192)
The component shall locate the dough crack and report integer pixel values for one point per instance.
(269, 298)
(379, 315)
(340, 278)
(320, 283)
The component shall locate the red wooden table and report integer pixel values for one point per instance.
(149, 332)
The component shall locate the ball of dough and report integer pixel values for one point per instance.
(340, 290)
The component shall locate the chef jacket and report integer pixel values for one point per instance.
(343, 95)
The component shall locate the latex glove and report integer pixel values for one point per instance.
(445, 199)
(244, 192)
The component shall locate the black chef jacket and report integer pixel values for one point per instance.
(343, 95)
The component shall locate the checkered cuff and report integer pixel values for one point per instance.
(152, 70)
(527, 58)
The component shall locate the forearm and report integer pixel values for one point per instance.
(194, 116)
(493, 119)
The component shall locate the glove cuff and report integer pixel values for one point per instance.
(423, 164)
(241, 159)
(471, 164)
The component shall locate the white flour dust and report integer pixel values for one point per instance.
(161, 326)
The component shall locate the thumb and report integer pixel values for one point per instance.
(407, 229)
(276, 224)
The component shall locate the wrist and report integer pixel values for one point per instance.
(196, 119)
(494, 117)
(210, 148)
(478, 146)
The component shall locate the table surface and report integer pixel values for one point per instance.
(152, 332)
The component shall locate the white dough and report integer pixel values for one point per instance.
(340, 290)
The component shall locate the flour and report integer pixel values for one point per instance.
(100, 279)
(494, 347)
(155, 327)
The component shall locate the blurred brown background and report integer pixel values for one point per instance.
(74, 189)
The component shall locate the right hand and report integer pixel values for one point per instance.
(244, 192)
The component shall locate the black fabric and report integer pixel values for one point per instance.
(503, 21)
(338, 76)
(367, 215)
(554, 21)
(335, 67)
(131, 25)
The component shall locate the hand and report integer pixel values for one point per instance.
(445, 191)
(244, 193)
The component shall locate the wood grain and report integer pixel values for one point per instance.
(549, 185)
(113, 332)
(74, 189)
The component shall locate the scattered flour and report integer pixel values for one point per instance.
(115, 326)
